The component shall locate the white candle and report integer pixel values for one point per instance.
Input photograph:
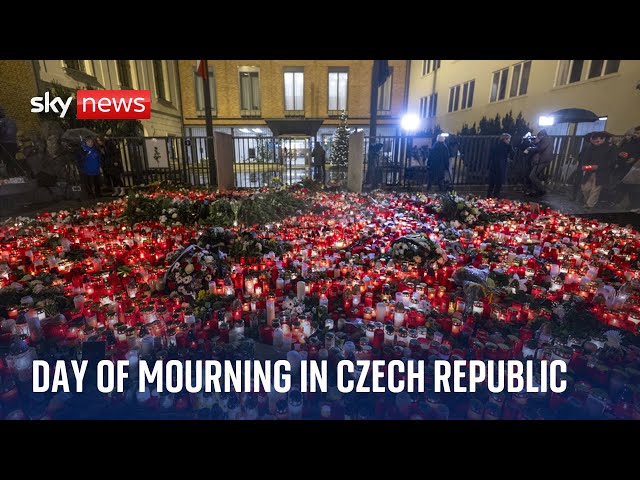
(271, 310)
(381, 311)
(301, 289)
(398, 319)
(324, 301)
(280, 283)
(78, 301)
(248, 285)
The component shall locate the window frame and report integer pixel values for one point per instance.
(158, 72)
(127, 64)
(197, 80)
(295, 112)
(388, 83)
(250, 112)
(81, 63)
(500, 76)
(338, 111)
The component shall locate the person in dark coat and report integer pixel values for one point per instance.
(319, 162)
(90, 167)
(438, 163)
(628, 156)
(9, 144)
(596, 162)
(542, 156)
(499, 158)
(112, 160)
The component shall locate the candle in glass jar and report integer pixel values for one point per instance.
(301, 286)
(78, 302)
(478, 307)
(381, 311)
(271, 309)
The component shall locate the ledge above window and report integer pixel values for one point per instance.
(294, 113)
(81, 76)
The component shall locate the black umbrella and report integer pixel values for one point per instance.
(78, 134)
(574, 115)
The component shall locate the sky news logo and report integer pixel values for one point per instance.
(99, 104)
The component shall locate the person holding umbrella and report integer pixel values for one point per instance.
(90, 166)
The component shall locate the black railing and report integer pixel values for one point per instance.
(403, 161)
(397, 161)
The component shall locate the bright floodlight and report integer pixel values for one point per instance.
(444, 134)
(245, 130)
(410, 122)
(545, 121)
(257, 130)
(603, 119)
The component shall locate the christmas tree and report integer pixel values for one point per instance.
(340, 147)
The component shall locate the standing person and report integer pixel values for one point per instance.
(90, 167)
(319, 162)
(9, 144)
(628, 155)
(542, 151)
(438, 163)
(595, 162)
(499, 158)
(112, 164)
(629, 161)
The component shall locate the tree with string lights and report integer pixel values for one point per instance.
(340, 145)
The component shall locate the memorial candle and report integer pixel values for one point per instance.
(301, 289)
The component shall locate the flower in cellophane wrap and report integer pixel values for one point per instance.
(459, 209)
(192, 268)
(474, 283)
(418, 248)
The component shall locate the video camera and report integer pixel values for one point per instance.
(527, 141)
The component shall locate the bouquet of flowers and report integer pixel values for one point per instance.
(418, 248)
(217, 239)
(455, 208)
(293, 307)
(249, 245)
(192, 269)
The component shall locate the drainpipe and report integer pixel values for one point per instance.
(406, 84)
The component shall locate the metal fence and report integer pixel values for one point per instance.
(259, 161)
(398, 161)
(402, 161)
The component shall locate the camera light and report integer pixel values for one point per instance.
(545, 121)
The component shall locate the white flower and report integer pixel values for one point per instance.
(182, 290)
(187, 280)
(189, 269)
(471, 219)
(163, 218)
(175, 215)
(208, 259)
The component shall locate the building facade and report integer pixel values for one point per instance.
(158, 76)
(451, 93)
(17, 86)
(276, 97)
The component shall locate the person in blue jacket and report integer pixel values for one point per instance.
(90, 167)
